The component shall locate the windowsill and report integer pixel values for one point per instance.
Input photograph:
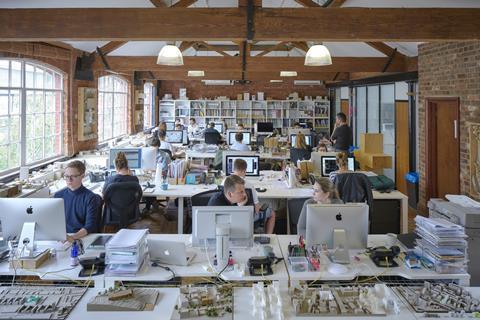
(13, 175)
(105, 143)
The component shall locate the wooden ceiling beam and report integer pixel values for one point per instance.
(112, 46)
(304, 24)
(257, 64)
(183, 3)
(185, 45)
(336, 3)
(212, 48)
(308, 3)
(36, 49)
(384, 48)
(282, 44)
(302, 45)
(158, 3)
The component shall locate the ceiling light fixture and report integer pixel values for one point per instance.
(196, 73)
(288, 73)
(170, 55)
(276, 81)
(318, 55)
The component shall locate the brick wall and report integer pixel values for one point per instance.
(197, 90)
(450, 69)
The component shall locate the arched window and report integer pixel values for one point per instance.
(148, 106)
(112, 107)
(31, 113)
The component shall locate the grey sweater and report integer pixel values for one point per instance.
(302, 220)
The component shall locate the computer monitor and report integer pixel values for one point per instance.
(247, 137)
(264, 127)
(298, 130)
(174, 136)
(149, 158)
(253, 167)
(308, 140)
(48, 213)
(205, 220)
(170, 125)
(133, 155)
(323, 220)
(329, 164)
(316, 158)
(219, 127)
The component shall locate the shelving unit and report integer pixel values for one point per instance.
(283, 113)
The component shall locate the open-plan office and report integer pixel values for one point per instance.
(226, 159)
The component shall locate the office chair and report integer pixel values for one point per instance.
(355, 187)
(299, 154)
(168, 152)
(294, 207)
(212, 138)
(121, 204)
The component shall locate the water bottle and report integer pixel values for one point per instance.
(74, 254)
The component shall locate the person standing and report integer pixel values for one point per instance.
(342, 136)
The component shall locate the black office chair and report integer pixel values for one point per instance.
(121, 204)
(167, 151)
(294, 209)
(99, 200)
(212, 138)
(299, 154)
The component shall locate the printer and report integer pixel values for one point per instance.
(469, 218)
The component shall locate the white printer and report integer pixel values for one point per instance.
(469, 218)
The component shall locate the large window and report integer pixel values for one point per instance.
(148, 106)
(31, 113)
(112, 107)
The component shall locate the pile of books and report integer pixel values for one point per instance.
(126, 252)
(442, 243)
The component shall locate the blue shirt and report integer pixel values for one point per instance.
(82, 207)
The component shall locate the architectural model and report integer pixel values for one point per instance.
(439, 298)
(121, 299)
(343, 301)
(211, 301)
(267, 301)
(38, 302)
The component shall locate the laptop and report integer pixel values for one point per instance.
(169, 252)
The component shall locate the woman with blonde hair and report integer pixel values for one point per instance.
(324, 192)
(342, 164)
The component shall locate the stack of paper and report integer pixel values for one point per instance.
(443, 243)
(125, 252)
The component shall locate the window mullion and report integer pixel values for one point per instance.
(23, 117)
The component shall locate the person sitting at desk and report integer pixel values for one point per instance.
(164, 144)
(322, 147)
(238, 145)
(240, 126)
(178, 125)
(300, 151)
(342, 164)
(324, 192)
(82, 206)
(212, 136)
(233, 193)
(193, 128)
(240, 169)
(123, 172)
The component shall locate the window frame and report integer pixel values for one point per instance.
(151, 104)
(23, 89)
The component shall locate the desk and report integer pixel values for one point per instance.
(364, 267)
(198, 266)
(163, 310)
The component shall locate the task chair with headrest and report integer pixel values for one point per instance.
(354, 187)
(212, 138)
(121, 204)
(299, 154)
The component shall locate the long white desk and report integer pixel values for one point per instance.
(362, 265)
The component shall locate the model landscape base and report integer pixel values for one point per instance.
(208, 300)
(121, 299)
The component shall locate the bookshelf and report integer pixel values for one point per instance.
(283, 113)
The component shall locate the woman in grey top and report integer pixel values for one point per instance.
(324, 192)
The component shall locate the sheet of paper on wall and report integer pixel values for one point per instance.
(463, 200)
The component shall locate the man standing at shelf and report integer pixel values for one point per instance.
(82, 206)
(342, 136)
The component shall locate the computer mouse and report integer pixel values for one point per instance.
(336, 268)
(261, 189)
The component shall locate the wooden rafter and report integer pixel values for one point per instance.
(384, 48)
(112, 46)
(158, 3)
(212, 48)
(185, 45)
(302, 45)
(304, 24)
(273, 48)
(336, 3)
(183, 3)
(308, 3)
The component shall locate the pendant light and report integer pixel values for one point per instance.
(170, 55)
(318, 55)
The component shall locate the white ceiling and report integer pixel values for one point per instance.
(234, 3)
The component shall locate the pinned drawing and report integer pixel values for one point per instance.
(475, 160)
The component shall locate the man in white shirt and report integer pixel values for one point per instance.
(238, 145)
(193, 127)
(240, 169)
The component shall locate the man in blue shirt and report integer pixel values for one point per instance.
(82, 206)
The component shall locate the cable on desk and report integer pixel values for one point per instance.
(156, 264)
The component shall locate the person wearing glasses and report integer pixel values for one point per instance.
(82, 206)
(324, 192)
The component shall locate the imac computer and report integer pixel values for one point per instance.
(316, 158)
(149, 158)
(206, 219)
(329, 164)
(34, 221)
(264, 127)
(340, 227)
(174, 136)
(308, 140)
(219, 127)
(247, 137)
(133, 155)
(253, 164)
(170, 125)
